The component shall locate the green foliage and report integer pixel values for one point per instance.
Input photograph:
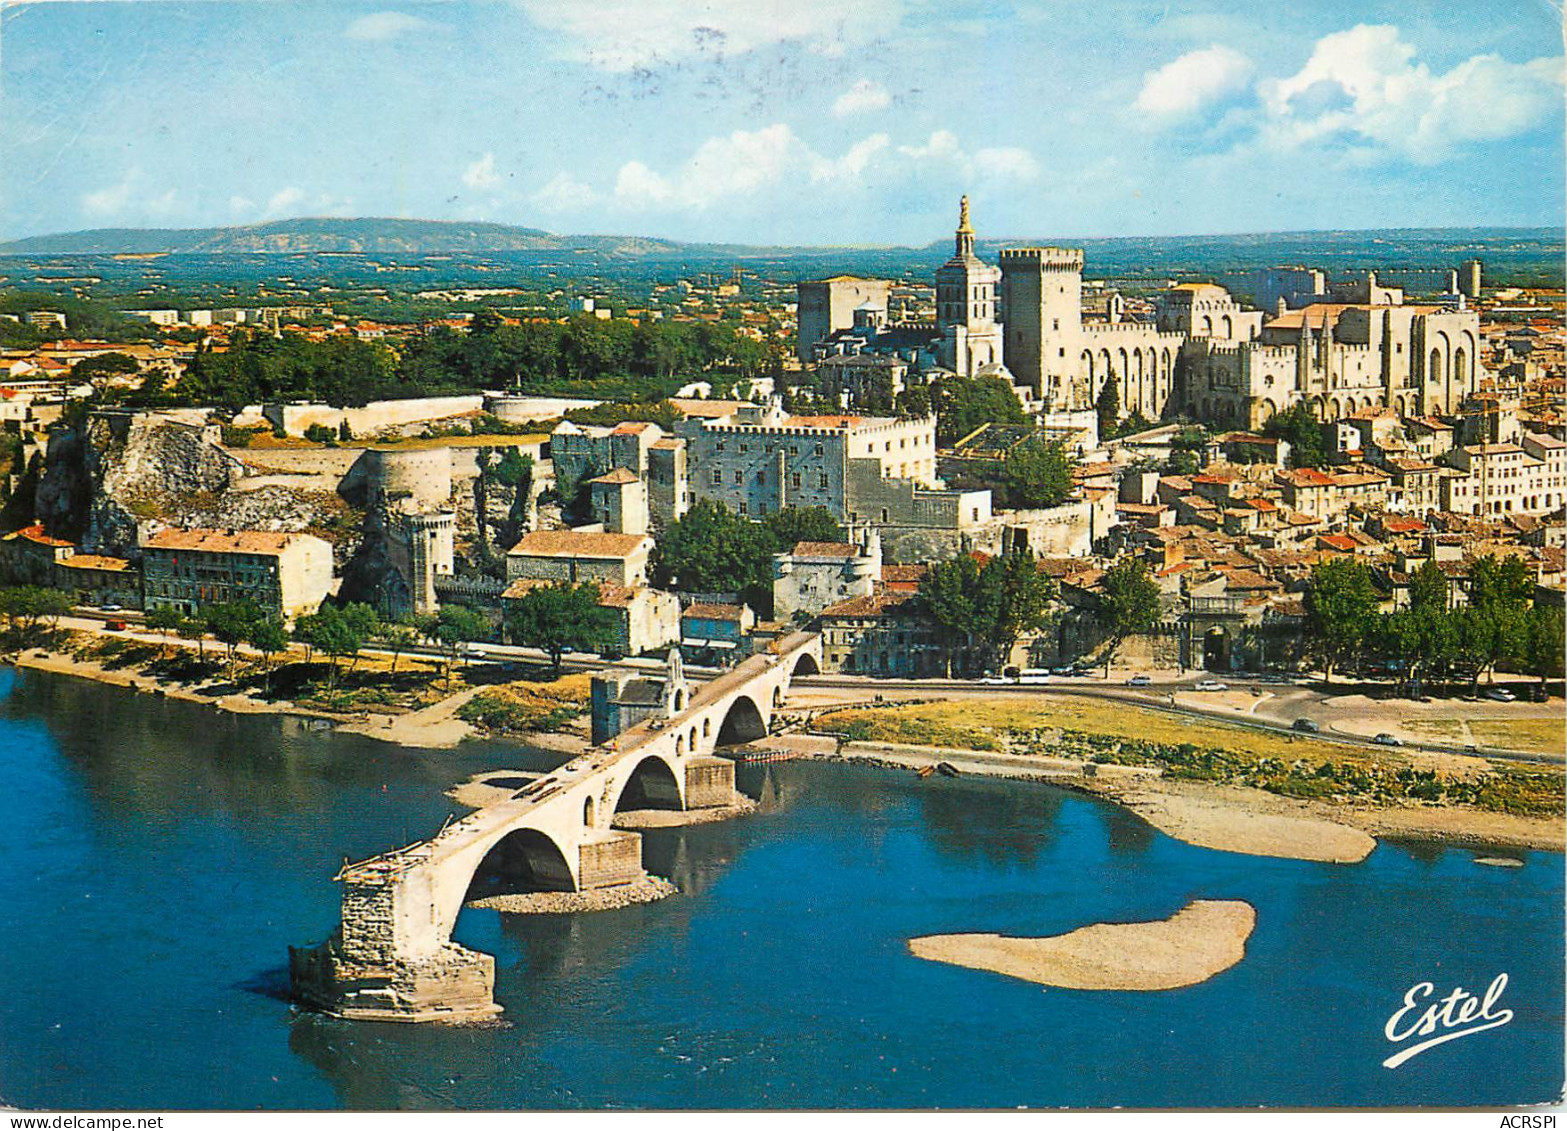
(710, 549)
(1037, 473)
(31, 611)
(337, 632)
(1299, 426)
(557, 617)
(320, 434)
(610, 413)
(232, 623)
(1108, 407)
(397, 637)
(164, 619)
(1341, 607)
(990, 605)
(103, 366)
(1128, 604)
(962, 404)
(794, 525)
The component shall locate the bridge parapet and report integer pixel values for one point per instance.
(392, 957)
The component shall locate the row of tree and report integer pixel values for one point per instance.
(710, 549)
(1498, 628)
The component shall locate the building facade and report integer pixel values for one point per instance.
(287, 575)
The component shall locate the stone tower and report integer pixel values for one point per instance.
(966, 304)
(1042, 294)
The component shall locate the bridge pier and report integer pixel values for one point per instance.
(710, 783)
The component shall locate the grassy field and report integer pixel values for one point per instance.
(1109, 732)
(526, 705)
(1539, 736)
(977, 725)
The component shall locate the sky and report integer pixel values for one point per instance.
(784, 121)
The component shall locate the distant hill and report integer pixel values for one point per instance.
(372, 236)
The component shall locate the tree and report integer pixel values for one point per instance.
(1499, 583)
(557, 617)
(450, 629)
(962, 404)
(1108, 407)
(794, 525)
(948, 592)
(1341, 606)
(1428, 588)
(194, 628)
(1299, 427)
(1545, 643)
(1037, 473)
(991, 605)
(335, 633)
(1013, 597)
(164, 619)
(26, 607)
(397, 637)
(1128, 604)
(267, 636)
(232, 622)
(709, 549)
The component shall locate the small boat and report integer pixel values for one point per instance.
(924, 772)
(946, 769)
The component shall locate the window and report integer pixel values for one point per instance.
(761, 477)
(818, 449)
(745, 447)
(743, 509)
(718, 447)
(794, 480)
(738, 476)
(718, 477)
(824, 481)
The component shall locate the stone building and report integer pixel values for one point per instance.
(1529, 477)
(642, 619)
(966, 310)
(1066, 359)
(882, 634)
(285, 574)
(619, 501)
(621, 699)
(583, 452)
(827, 305)
(814, 575)
(1337, 358)
(577, 556)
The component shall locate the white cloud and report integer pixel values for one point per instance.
(239, 205)
(481, 174)
(130, 196)
(620, 35)
(111, 199)
(1010, 162)
(380, 26)
(863, 97)
(564, 193)
(741, 164)
(284, 200)
(1364, 86)
(1181, 89)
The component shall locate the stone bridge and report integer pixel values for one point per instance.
(393, 958)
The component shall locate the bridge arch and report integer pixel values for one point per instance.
(652, 784)
(525, 859)
(805, 665)
(743, 722)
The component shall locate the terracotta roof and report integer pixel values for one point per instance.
(578, 544)
(823, 421)
(619, 475)
(630, 428)
(35, 533)
(96, 561)
(702, 611)
(668, 443)
(903, 578)
(825, 550)
(882, 601)
(223, 541)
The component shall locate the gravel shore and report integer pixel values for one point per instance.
(1204, 938)
(676, 818)
(648, 889)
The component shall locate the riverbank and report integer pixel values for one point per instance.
(1203, 939)
(649, 889)
(435, 726)
(1224, 817)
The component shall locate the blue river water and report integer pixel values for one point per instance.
(159, 858)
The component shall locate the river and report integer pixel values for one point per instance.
(159, 858)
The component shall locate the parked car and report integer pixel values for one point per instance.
(1500, 695)
(114, 625)
(1211, 685)
(1033, 675)
(1307, 726)
(1386, 739)
(112, 608)
(1140, 681)
(994, 679)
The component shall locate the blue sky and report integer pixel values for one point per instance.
(800, 121)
